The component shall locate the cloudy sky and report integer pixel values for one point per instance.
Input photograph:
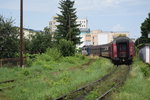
(106, 15)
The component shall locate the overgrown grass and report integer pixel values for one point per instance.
(137, 87)
(51, 76)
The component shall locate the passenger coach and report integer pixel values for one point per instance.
(121, 49)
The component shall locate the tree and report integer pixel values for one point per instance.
(9, 43)
(145, 30)
(38, 43)
(66, 48)
(46, 30)
(67, 28)
(145, 27)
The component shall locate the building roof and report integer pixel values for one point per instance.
(147, 44)
(84, 29)
(32, 30)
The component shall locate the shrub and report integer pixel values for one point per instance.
(146, 71)
(66, 48)
(52, 55)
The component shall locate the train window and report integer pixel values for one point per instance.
(122, 47)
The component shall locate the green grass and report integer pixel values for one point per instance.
(137, 87)
(51, 77)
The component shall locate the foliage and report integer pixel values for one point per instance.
(8, 38)
(145, 27)
(137, 85)
(39, 83)
(145, 30)
(46, 30)
(146, 71)
(66, 48)
(67, 28)
(39, 43)
(46, 59)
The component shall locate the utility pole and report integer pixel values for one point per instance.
(21, 33)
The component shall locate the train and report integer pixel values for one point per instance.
(120, 50)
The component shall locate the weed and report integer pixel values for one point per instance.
(137, 86)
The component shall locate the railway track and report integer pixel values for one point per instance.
(6, 82)
(119, 83)
(102, 87)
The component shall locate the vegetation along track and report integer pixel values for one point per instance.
(6, 82)
(99, 89)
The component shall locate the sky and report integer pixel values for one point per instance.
(105, 15)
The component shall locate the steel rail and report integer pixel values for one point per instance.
(110, 90)
(88, 85)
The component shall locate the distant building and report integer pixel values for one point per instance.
(83, 24)
(28, 32)
(53, 24)
(98, 37)
(144, 53)
(83, 27)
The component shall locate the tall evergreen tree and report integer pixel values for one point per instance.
(67, 28)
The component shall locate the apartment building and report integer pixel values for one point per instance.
(53, 24)
(98, 37)
(83, 24)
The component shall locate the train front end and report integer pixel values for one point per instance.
(124, 50)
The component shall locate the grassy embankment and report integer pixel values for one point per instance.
(51, 76)
(137, 86)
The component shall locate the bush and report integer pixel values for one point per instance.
(66, 48)
(54, 53)
(51, 55)
(145, 71)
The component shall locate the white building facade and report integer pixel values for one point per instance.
(53, 23)
(98, 37)
(144, 53)
(83, 23)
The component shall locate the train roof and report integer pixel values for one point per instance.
(122, 39)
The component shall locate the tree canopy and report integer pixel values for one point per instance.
(145, 30)
(145, 27)
(39, 42)
(67, 28)
(9, 43)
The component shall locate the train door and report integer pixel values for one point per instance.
(123, 49)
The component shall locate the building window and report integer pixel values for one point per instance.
(88, 35)
(88, 40)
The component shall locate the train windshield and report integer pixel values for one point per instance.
(122, 46)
